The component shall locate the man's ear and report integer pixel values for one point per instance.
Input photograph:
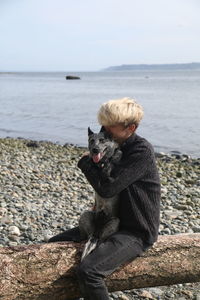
(132, 128)
(90, 131)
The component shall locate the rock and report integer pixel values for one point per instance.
(33, 144)
(124, 297)
(47, 234)
(190, 231)
(179, 174)
(187, 293)
(6, 220)
(196, 228)
(164, 190)
(72, 77)
(172, 214)
(166, 231)
(12, 244)
(3, 211)
(156, 291)
(14, 231)
(146, 294)
(3, 204)
(182, 207)
(159, 154)
(13, 237)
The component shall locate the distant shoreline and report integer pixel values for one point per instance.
(133, 67)
(123, 67)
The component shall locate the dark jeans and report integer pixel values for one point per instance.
(118, 249)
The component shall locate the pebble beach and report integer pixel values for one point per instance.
(42, 193)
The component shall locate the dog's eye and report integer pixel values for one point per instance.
(101, 140)
(92, 141)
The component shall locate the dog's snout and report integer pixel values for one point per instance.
(95, 150)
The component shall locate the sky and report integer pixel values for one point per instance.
(90, 35)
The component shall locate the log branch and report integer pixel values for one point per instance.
(47, 271)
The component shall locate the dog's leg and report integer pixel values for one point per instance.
(89, 247)
(87, 228)
(109, 228)
(86, 224)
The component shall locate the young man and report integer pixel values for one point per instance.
(137, 183)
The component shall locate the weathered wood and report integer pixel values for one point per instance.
(47, 271)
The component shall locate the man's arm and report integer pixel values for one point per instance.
(131, 169)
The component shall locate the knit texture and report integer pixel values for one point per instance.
(137, 182)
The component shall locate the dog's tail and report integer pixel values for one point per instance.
(89, 247)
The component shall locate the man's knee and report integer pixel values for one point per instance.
(82, 271)
(85, 271)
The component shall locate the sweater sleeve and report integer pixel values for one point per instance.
(131, 169)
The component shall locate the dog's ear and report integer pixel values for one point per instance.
(108, 135)
(102, 129)
(90, 131)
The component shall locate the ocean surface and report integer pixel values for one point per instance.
(46, 106)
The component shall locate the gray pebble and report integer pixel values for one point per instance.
(196, 228)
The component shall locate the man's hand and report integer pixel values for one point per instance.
(85, 154)
(85, 161)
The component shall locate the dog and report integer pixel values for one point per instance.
(100, 223)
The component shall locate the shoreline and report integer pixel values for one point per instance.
(174, 153)
(42, 193)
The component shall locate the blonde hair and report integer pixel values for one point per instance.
(123, 111)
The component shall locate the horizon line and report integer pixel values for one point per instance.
(96, 70)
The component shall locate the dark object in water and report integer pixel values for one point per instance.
(72, 77)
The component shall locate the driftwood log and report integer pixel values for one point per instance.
(47, 271)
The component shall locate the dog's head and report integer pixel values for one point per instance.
(101, 145)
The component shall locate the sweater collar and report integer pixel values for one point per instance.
(130, 140)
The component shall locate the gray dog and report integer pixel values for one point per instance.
(97, 225)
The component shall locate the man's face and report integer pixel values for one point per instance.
(120, 133)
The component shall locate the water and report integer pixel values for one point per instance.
(46, 106)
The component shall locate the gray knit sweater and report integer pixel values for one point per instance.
(136, 180)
